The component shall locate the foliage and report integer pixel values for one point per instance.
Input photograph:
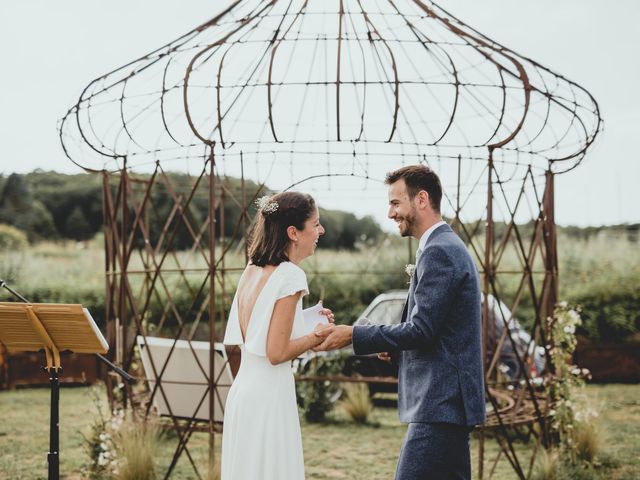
(20, 209)
(48, 205)
(316, 397)
(547, 465)
(588, 439)
(571, 418)
(137, 444)
(357, 402)
(600, 272)
(119, 447)
(13, 243)
(336, 449)
(345, 230)
(12, 239)
(100, 443)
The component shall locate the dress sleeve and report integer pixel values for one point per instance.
(293, 281)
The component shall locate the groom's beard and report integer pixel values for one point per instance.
(407, 224)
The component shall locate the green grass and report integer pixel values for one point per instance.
(335, 450)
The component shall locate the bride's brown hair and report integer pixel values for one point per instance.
(269, 239)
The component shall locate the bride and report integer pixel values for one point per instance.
(261, 435)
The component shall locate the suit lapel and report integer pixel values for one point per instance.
(408, 304)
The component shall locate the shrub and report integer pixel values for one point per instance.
(587, 440)
(547, 465)
(12, 238)
(316, 397)
(137, 444)
(357, 402)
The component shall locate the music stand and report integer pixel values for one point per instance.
(31, 327)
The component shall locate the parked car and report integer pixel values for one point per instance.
(386, 309)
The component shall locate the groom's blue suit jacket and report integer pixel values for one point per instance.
(439, 342)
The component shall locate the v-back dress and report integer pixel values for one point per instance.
(261, 437)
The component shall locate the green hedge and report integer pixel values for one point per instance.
(610, 313)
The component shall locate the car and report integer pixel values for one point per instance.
(386, 309)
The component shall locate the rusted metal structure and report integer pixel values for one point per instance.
(327, 96)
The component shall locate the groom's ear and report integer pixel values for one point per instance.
(423, 199)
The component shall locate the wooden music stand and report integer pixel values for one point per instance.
(31, 327)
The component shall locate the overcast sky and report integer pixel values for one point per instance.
(52, 49)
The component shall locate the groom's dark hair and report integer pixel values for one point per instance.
(416, 178)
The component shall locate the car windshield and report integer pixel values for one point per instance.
(386, 312)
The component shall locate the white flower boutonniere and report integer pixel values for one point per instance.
(409, 269)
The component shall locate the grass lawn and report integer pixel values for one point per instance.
(338, 449)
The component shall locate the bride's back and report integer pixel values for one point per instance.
(250, 286)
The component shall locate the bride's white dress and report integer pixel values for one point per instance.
(261, 437)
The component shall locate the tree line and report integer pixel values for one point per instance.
(55, 206)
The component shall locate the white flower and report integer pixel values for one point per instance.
(409, 269)
(552, 412)
(266, 205)
(503, 368)
(569, 329)
(102, 460)
(574, 316)
(562, 304)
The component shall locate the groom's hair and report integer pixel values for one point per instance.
(416, 178)
(269, 241)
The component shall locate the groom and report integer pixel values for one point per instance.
(438, 342)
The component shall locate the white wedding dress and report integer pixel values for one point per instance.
(261, 437)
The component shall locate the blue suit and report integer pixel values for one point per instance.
(439, 348)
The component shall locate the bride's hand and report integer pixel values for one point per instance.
(322, 331)
(328, 313)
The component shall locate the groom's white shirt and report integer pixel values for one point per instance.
(425, 236)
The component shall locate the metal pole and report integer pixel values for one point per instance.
(53, 457)
(212, 304)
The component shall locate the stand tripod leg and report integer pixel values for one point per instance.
(54, 439)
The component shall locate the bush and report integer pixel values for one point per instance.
(315, 397)
(12, 238)
(610, 314)
(357, 402)
(137, 443)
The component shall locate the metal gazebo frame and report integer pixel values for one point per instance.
(193, 101)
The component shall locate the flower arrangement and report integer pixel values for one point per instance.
(101, 443)
(566, 412)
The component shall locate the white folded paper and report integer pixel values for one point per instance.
(313, 317)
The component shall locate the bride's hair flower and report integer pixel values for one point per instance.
(266, 205)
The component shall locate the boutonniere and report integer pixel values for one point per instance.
(409, 269)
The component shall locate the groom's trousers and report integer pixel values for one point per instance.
(435, 451)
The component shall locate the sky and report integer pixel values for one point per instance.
(51, 50)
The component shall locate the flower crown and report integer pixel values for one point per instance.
(266, 205)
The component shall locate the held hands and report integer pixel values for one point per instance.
(321, 331)
(339, 337)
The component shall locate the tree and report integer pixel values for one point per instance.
(77, 226)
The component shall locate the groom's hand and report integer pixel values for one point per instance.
(338, 338)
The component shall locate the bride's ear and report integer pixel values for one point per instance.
(292, 233)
